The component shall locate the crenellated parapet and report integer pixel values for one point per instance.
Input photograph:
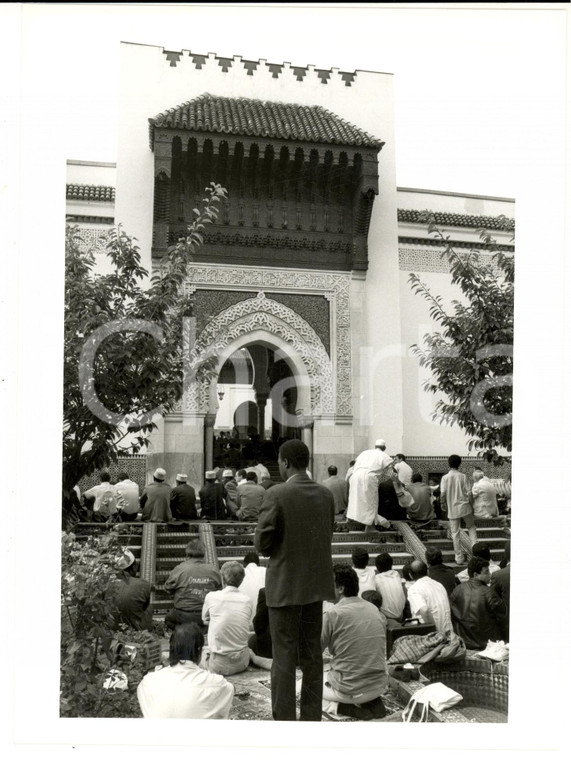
(277, 70)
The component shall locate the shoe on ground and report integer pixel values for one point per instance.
(372, 710)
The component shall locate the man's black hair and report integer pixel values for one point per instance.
(406, 571)
(346, 578)
(185, 644)
(241, 474)
(360, 558)
(481, 549)
(400, 456)
(418, 569)
(332, 470)
(454, 461)
(416, 478)
(476, 565)
(251, 557)
(383, 562)
(252, 476)
(104, 476)
(296, 453)
(433, 556)
(123, 476)
(374, 597)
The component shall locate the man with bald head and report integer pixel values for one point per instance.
(428, 598)
(371, 466)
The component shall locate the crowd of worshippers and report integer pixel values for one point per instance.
(375, 490)
(225, 495)
(220, 624)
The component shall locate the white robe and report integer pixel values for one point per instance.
(364, 484)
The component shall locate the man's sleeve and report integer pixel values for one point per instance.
(266, 530)
(172, 581)
(497, 607)
(143, 499)
(443, 491)
(496, 586)
(326, 631)
(417, 604)
(206, 609)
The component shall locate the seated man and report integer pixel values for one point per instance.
(254, 578)
(388, 583)
(102, 499)
(478, 613)
(422, 510)
(132, 595)
(482, 550)
(190, 582)
(228, 614)
(230, 492)
(184, 690)
(428, 599)
(355, 635)
(212, 498)
(260, 642)
(250, 498)
(440, 572)
(127, 497)
(365, 574)
(156, 499)
(500, 583)
(183, 499)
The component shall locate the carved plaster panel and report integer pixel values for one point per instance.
(333, 397)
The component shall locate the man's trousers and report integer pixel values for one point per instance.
(296, 632)
(455, 534)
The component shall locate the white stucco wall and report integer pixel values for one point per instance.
(422, 435)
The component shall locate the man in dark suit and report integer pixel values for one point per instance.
(295, 528)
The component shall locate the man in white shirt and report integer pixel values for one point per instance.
(484, 495)
(404, 470)
(228, 614)
(365, 574)
(127, 497)
(184, 690)
(428, 598)
(482, 550)
(370, 467)
(254, 579)
(389, 584)
(104, 496)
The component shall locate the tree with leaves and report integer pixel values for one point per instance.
(470, 357)
(123, 335)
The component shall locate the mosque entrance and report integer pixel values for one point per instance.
(258, 409)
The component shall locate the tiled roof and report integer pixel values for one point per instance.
(262, 118)
(103, 193)
(457, 220)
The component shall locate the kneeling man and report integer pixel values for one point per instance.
(355, 633)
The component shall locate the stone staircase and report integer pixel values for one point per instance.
(160, 547)
(495, 532)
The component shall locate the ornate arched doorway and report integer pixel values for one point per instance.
(263, 322)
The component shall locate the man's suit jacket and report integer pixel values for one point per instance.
(295, 528)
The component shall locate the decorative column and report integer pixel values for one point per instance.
(306, 424)
(261, 401)
(209, 441)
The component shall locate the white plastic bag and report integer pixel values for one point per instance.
(435, 695)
